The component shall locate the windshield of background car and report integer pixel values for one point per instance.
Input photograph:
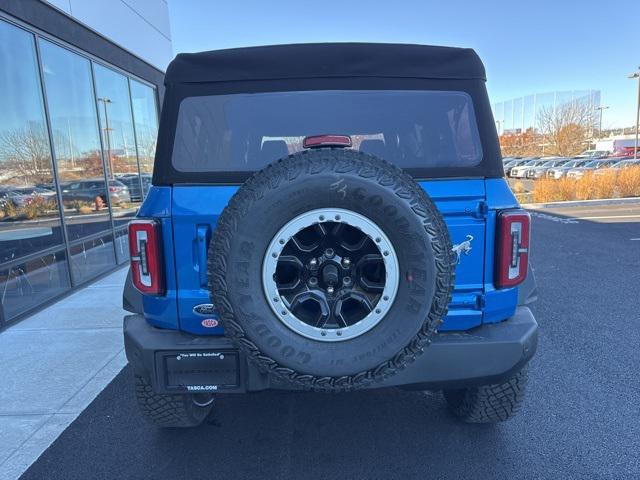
(574, 163)
(245, 132)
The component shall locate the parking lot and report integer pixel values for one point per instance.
(580, 418)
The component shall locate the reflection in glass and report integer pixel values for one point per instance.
(91, 257)
(76, 139)
(118, 140)
(122, 245)
(146, 122)
(517, 115)
(29, 215)
(28, 284)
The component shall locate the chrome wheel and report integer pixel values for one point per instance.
(330, 274)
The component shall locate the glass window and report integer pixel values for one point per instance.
(91, 257)
(122, 245)
(29, 214)
(30, 283)
(74, 125)
(118, 140)
(245, 132)
(145, 114)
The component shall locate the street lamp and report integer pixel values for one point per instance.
(636, 75)
(107, 133)
(601, 108)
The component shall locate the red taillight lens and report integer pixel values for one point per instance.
(112, 189)
(316, 141)
(514, 231)
(146, 256)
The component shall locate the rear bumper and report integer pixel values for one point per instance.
(487, 354)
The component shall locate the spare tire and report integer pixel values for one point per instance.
(331, 269)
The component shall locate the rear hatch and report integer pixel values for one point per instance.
(195, 210)
(212, 139)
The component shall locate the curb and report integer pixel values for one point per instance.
(585, 203)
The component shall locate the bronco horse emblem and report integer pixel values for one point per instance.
(463, 248)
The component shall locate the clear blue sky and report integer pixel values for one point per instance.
(527, 47)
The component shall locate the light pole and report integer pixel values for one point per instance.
(601, 108)
(636, 75)
(107, 133)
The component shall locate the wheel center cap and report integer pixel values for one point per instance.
(330, 274)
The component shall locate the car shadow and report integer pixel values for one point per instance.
(386, 433)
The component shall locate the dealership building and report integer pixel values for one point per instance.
(80, 89)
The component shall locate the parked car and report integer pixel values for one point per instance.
(625, 152)
(559, 172)
(21, 196)
(619, 164)
(628, 162)
(520, 170)
(88, 190)
(284, 258)
(593, 154)
(132, 181)
(578, 172)
(541, 170)
(513, 163)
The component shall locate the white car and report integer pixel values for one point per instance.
(540, 171)
(521, 170)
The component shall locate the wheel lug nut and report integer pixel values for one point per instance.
(313, 262)
(346, 262)
(346, 280)
(329, 253)
(330, 290)
(313, 281)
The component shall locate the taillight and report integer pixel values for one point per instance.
(112, 189)
(146, 256)
(315, 141)
(514, 231)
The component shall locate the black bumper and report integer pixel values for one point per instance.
(487, 354)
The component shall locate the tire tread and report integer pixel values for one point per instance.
(489, 403)
(163, 410)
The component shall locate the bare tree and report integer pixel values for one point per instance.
(25, 155)
(566, 127)
(146, 149)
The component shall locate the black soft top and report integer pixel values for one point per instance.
(326, 60)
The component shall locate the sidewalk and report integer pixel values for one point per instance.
(53, 364)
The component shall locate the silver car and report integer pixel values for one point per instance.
(541, 170)
(620, 164)
(559, 172)
(592, 165)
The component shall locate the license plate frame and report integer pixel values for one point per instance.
(198, 371)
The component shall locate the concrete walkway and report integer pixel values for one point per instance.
(53, 364)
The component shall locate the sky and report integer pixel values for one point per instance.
(527, 47)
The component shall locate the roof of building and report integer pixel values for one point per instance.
(326, 60)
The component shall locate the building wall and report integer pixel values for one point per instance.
(77, 141)
(139, 26)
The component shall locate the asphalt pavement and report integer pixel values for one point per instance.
(580, 419)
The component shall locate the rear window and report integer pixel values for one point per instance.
(245, 132)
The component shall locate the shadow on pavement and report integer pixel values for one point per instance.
(376, 434)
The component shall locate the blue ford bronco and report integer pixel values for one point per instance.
(328, 217)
